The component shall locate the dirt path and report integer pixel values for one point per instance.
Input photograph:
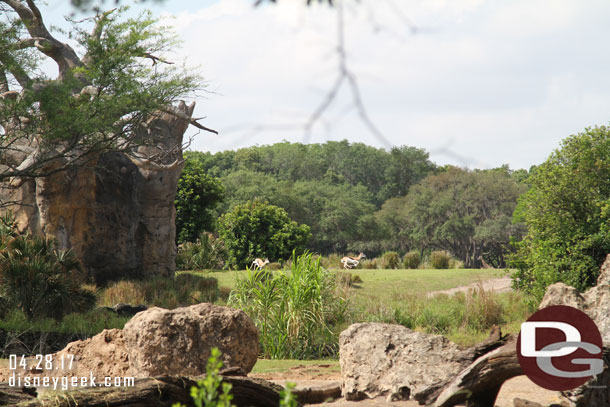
(502, 284)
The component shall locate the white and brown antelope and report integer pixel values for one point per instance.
(258, 264)
(351, 262)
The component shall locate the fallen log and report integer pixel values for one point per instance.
(160, 391)
(478, 385)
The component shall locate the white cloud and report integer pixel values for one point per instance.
(499, 82)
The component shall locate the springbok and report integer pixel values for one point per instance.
(258, 264)
(351, 262)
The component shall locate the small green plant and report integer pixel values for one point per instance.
(390, 260)
(439, 260)
(287, 399)
(207, 392)
(411, 260)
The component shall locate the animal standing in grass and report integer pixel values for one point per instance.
(351, 262)
(258, 264)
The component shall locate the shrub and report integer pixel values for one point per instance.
(371, 264)
(411, 260)
(439, 260)
(567, 213)
(456, 264)
(197, 195)
(41, 280)
(207, 252)
(331, 261)
(294, 310)
(390, 260)
(274, 266)
(257, 229)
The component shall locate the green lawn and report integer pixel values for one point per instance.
(389, 283)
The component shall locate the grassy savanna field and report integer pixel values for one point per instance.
(400, 296)
(379, 284)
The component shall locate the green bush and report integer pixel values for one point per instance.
(411, 260)
(369, 264)
(567, 213)
(196, 197)
(257, 229)
(332, 261)
(390, 260)
(439, 260)
(41, 280)
(207, 252)
(295, 311)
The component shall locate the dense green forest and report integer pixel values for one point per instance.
(356, 198)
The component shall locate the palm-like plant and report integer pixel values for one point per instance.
(39, 279)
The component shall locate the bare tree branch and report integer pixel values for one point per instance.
(180, 115)
(65, 57)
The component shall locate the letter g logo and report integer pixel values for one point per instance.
(555, 344)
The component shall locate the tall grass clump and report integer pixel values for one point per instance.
(439, 260)
(463, 317)
(186, 289)
(207, 252)
(295, 311)
(411, 260)
(390, 260)
(332, 261)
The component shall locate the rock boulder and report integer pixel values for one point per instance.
(396, 362)
(179, 341)
(163, 342)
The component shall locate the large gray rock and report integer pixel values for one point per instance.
(604, 272)
(396, 362)
(168, 342)
(595, 302)
(160, 342)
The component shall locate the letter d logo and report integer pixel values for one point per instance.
(560, 348)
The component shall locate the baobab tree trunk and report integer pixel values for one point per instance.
(102, 181)
(115, 212)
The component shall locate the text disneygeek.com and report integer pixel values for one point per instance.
(65, 382)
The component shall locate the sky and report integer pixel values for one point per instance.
(477, 83)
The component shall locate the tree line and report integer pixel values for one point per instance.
(355, 197)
